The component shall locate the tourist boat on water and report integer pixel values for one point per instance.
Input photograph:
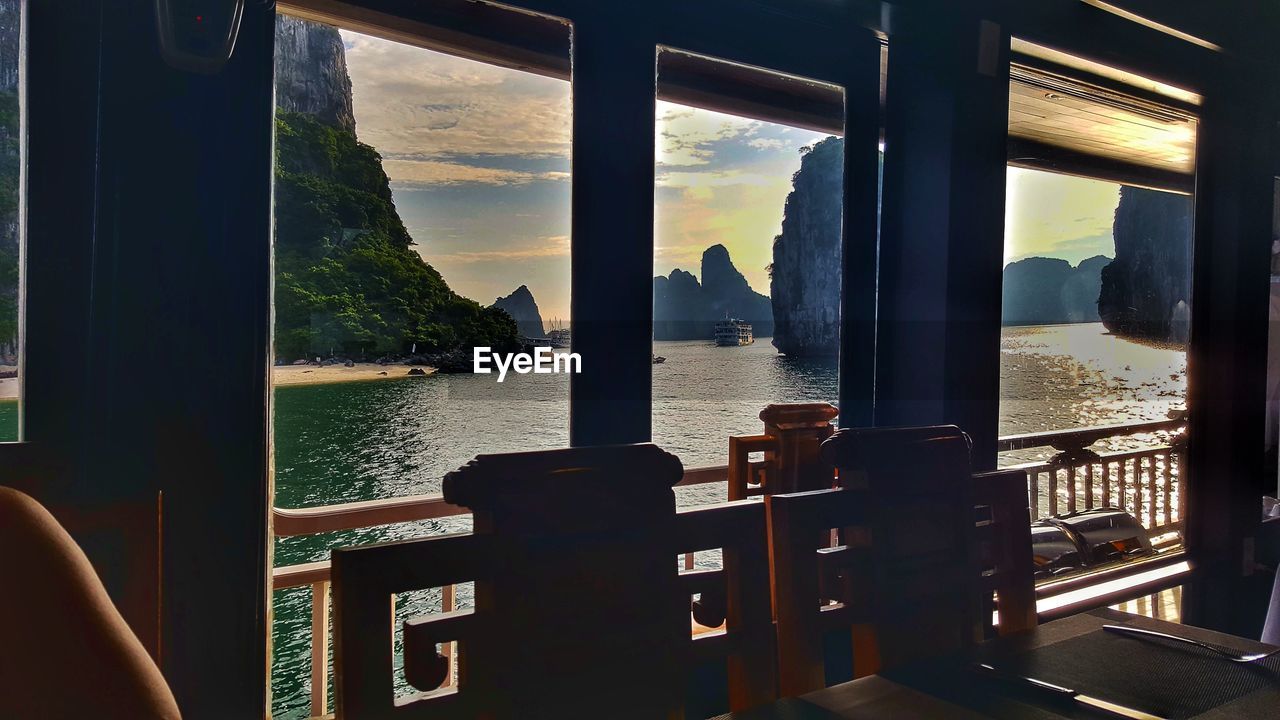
(731, 332)
(559, 338)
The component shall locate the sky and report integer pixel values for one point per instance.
(478, 158)
(1060, 216)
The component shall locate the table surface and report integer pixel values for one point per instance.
(901, 698)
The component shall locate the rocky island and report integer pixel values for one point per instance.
(685, 309)
(1146, 290)
(1049, 291)
(522, 308)
(348, 281)
(805, 274)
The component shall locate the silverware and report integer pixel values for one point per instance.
(1067, 694)
(1233, 657)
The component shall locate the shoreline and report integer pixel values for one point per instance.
(290, 375)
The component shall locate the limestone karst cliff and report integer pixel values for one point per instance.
(348, 279)
(1046, 291)
(311, 72)
(1146, 290)
(10, 32)
(685, 309)
(805, 274)
(522, 308)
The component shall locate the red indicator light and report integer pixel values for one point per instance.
(199, 18)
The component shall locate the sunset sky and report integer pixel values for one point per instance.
(479, 163)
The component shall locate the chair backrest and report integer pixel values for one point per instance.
(918, 543)
(579, 604)
(736, 596)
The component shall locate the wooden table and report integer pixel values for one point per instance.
(908, 696)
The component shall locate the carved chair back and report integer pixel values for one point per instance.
(904, 557)
(580, 608)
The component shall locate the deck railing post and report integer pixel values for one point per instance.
(320, 648)
(448, 603)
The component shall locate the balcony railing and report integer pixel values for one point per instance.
(1145, 482)
(373, 513)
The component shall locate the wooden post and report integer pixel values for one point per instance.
(320, 648)
(612, 248)
(799, 430)
(1224, 475)
(942, 240)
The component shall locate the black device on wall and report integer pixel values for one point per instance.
(198, 35)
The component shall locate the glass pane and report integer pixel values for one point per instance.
(10, 218)
(1097, 287)
(747, 282)
(422, 210)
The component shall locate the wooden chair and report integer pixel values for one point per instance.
(904, 557)
(580, 609)
(736, 596)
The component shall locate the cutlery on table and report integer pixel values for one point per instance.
(1232, 656)
(1067, 694)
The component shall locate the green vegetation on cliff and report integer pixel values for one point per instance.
(347, 278)
(9, 177)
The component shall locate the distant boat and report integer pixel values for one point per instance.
(559, 336)
(658, 359)
(731, 332)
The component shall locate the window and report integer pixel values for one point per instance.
(11, 251)
(422, 210)
(1096, 297)
(747, 247)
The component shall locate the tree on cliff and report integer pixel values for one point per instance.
(9, 273)
(347, 277)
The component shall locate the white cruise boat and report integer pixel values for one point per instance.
(732, 333)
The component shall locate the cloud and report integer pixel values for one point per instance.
(552, 246)
(429, 173)
(410, 100)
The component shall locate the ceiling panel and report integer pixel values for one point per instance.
(1065, 113)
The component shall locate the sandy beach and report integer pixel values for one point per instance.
(282, 375)
(292, 375)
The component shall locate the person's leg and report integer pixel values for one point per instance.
(65, 651)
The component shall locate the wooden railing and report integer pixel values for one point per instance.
(373, 513)
(1145, 482)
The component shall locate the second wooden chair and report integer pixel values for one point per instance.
(906, 559)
